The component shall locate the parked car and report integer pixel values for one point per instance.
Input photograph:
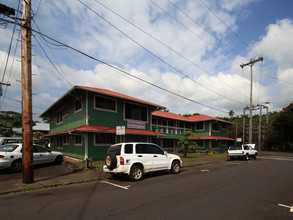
(10, 140)
(244, 151)
(11, 156)
(136, 159)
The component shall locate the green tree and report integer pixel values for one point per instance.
(231, 113)
(283, 125)
(185, 141)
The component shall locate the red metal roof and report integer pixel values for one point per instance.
(118, 95)
(90, 128)
(170, 115)
(212, 138)
(195, 118)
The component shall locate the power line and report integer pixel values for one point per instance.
(180, 72)
(179, 54)
(63, 77)
(236, 35)
(206, 30)
(127, 73)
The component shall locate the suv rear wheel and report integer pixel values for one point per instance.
(136, 173)
(111, 161)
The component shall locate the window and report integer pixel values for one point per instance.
(59, 116)
(78, 140)
(78, 105)
(66, 139)
(154, 149)
(105, 103)
(200, 143)
(141, 149)
(60, 142)
(62, 113)
(128, 148)
(216, 126)
(215, 145)
(224, 126)
(104, 138)
(199, 126)
(116, 149)
(135, 138)
(39, 149)
(136, 112)
(65, 111)
(188, 125)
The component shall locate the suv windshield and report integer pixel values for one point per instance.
(116, 149)
(235, 147)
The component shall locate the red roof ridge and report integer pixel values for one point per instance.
(117, 94)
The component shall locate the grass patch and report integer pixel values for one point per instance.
(97, 165)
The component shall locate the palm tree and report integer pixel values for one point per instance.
(231, 113)
(185, 141)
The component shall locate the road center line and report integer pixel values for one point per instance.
(113, 184)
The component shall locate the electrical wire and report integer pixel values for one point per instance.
(172, 67)
(236, 35)
(63, 77)
(176, 52)
(127, 73)
(205, 29)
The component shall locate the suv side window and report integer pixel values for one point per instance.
(116, 149)
(154, 149)
(141, 149)
(128, 148)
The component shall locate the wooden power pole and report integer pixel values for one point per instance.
(26, 78)
(251, 82)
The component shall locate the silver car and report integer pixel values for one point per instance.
(11, 156)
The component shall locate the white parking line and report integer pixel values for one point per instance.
(286, 206)
(278, 158)
(204, 170)
(113, 184)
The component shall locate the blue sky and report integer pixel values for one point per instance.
(186, 47)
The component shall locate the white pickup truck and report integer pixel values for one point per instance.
(242, 151)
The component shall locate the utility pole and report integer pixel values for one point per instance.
(26, 78)
(251, 82)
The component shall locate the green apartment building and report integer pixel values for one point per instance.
(83, 124)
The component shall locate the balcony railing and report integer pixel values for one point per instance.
(168, 129)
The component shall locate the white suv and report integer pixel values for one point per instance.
(242, 151)
(135, 159)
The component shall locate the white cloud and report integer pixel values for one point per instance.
(71, 23)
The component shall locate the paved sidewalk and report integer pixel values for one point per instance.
(68, 173)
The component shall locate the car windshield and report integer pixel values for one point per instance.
(116, 149)
(235, 147)
(8, 148)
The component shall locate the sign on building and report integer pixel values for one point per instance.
(120, 130)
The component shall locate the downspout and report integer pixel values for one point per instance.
(86, 109)
(86, 147)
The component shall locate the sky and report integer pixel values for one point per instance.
(181, 54)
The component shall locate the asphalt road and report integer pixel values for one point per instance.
(254, 189)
